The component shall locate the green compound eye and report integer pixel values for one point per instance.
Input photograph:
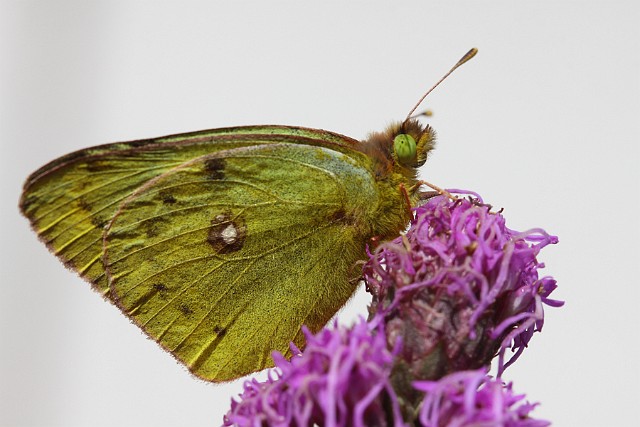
(405, 148)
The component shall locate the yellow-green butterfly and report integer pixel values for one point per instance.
(220, 244)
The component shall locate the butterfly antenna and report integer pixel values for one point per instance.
(467, 56)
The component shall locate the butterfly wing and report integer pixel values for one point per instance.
(219, 244)
(223, 258)
(70, 200)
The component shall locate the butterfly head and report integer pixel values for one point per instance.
(412, 143)
(401, 148)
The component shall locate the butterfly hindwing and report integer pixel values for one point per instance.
(222, 258)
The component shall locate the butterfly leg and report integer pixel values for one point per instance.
(425, 195)
(405, 194)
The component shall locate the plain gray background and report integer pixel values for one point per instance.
(543, 122)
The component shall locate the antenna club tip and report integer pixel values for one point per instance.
(467, 56)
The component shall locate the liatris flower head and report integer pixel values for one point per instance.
(458, 288)
(472, 398)
(341, 379)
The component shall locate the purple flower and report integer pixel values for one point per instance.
(471, 398)
(341, 379)
(458, 288)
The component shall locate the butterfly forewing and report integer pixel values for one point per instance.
(223, 258)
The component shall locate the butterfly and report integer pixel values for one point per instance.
(220, 244)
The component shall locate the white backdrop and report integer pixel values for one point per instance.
(543, 122)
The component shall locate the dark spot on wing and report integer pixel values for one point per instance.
(186, 310)
(160, 288)
(98, 222)
(167, 197)
(151, 231)
(154, 227)
(215, 168)
(220, 331)
(338, 215)
(96, 165)
(84, 205)
(227, 233)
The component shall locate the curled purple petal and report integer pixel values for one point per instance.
(471, 398)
